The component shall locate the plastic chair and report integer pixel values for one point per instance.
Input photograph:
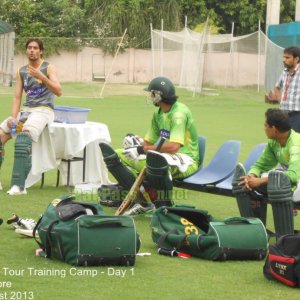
(226, 185)
(220, 167)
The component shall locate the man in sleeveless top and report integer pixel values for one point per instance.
(40, 83)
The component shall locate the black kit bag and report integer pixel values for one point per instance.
(283, 262)
(195, 232)
(80, 234)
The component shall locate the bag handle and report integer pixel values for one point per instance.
(236, 220)
(90, 223)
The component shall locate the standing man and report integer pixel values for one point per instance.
(287, 89)
(40, 83)
(178, 156)
(275, 186)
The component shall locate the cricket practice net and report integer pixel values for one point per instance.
(192, 59)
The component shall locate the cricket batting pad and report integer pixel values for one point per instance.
(22, 161)
(280, 197)
(259, 208)
(124, 177)
(242, 197)
(157, 177)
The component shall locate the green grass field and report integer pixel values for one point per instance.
(234, 114)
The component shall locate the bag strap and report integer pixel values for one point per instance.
(161, 242)
(35, 230)
(48, 242)
(236, 220)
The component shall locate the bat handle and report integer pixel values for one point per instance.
(160, 143)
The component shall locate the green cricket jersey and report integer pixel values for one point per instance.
(177, 125)
(288, 157)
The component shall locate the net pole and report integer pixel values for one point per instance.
(112, 64)
(230, 55)
(258, 57)
(183, 57)
(199, 75)
(152, 50)
(162, 48)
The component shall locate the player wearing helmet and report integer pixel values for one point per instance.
(178, 156)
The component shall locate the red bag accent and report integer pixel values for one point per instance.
(286, 260)
(282, 279)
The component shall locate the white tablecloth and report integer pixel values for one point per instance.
(59, 141)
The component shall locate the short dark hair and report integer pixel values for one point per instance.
(278, 118)
(38, 41)
(293, 50)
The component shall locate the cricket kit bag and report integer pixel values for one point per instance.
(282, 264)
(81, 235)
(195, 232)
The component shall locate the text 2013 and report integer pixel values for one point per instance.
(17, 295)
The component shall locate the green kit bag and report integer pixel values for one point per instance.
(81, 235)
(194, 231)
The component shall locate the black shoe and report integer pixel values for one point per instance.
(110, 203)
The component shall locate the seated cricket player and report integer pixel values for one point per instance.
(177, 157)
(40, 82)
(274, 176)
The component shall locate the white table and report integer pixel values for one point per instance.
(64, 141)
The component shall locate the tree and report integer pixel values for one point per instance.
(100, 19)
(245, 14)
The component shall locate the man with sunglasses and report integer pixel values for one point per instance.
(178, 156)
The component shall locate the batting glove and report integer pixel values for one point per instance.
(133, 153)
(131, 140)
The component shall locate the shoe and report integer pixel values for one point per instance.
(138, 209)
(15, 190)
(0, 186)
(18, 223)
(238, 173)
(110, 203)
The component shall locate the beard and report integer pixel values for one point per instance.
(33, 58)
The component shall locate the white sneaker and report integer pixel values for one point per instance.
(138, 209)
(15, 190)
(18, 223)
(0, 186)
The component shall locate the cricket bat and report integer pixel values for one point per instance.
(26, 232)
(135, 189)
(132, 194)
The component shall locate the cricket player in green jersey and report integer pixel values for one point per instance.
(177, 157)
(274, 176)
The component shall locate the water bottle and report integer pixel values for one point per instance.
(13, 130)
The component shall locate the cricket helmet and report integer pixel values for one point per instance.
(162, 89)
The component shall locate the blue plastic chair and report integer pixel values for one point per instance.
(220, 167)
(226, 185)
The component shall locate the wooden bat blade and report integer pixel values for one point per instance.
(132, 194)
